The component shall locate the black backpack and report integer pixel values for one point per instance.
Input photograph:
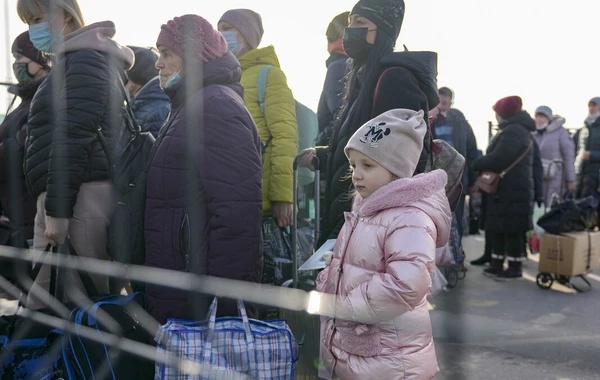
(126, 231)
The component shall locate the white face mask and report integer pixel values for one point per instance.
(542, 127)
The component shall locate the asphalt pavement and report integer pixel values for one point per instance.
(489, 330)
(484, 329)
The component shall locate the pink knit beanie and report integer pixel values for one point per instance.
(192, 37)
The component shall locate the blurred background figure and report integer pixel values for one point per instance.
(588, 159)
(451, 126)
(332, 96)
(508, 212)
(557, 152)
(275, 118)
(148, 101)
(17, 204)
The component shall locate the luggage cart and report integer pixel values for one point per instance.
(545, 280)
(455, 271)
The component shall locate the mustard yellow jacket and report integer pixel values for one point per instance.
(278, 121)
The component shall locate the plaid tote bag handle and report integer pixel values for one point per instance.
(249, 337)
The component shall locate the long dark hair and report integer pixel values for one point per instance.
(361, 82)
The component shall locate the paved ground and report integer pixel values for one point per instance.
(485, 329)
(503, 331)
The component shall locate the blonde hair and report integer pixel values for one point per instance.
(27, 9)
(336, 28)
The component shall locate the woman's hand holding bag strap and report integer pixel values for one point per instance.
(488, 181)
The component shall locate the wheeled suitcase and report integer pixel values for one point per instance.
(306, 327)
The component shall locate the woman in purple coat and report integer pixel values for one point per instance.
(203, 207)
(557, 151)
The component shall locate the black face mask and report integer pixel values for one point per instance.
(356, 45)
(21, 71)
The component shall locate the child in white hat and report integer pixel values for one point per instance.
(381, 268)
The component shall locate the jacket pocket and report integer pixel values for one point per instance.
(185, 241)
(360, 340)
(322, 280)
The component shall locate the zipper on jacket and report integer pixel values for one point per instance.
(337, 288)
(184, 249)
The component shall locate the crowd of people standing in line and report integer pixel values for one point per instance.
(222, 165)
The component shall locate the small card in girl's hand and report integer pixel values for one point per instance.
(316, 261)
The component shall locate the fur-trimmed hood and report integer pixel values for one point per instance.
(424, 191)
(556, 123)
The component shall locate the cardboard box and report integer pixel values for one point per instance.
(567, 254)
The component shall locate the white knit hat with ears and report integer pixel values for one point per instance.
(394, 139)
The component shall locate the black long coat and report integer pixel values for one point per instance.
(407, 80)
(510, 209)
(588, 172)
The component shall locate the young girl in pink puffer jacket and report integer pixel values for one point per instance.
(382, 264)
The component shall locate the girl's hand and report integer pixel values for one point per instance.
(327, 256)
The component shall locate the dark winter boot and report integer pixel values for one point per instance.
(513, 272)
(486, 258)
(496, 267)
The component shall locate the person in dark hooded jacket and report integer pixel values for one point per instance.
(332, 96)
(203, 196)
(31, 67)
(66, 167)
(538, 174)
(587, 163)
(149, 103)
(17, 204)
(508, 212)
(379, 81)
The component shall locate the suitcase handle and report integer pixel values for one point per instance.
(316, 163)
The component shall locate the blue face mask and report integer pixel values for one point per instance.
(41, 37)
(173, 80)
(232, 43)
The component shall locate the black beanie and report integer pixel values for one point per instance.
(144, 68)
(386, 14)
(23, 46)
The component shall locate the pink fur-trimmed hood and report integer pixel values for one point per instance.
(424, 191)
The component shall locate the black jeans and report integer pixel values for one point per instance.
(511, 246)
(489, 243)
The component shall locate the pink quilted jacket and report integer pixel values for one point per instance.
(381, 271)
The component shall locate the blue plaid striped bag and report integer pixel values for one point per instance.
(224, 347)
